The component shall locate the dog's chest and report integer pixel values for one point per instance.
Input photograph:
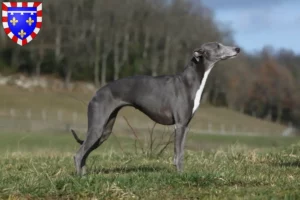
(200, 91)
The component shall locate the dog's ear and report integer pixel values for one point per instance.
(198, 53)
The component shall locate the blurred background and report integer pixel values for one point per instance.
(45, 86)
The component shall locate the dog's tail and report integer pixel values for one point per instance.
(76, 137)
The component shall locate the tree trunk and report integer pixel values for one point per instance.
(154, 58)
(216, 91)
(68, 76)
(145, 51)
(116, 56)
(125, 46)
(40, 60)
(174, 60)
(136, 35)
(107, 47)
(97, 60)
(154, 64)
(103, 68)
(3, 39)
(58, 45)
(204, 97)
(166, 54)
(146, 45)
(187, 58)
(269, 115)
(15, 58)
(242, 108)
(174, 63)
(279, 113)
(38, 68)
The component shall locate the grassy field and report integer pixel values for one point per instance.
(70, 102)
(39, 164)
(35, 166)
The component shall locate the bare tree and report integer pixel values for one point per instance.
(37, 55)
(154, 57)
(116, 55)
(107, 48)
(97, 58)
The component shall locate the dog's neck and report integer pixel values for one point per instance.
(195, 70)
(195, 76)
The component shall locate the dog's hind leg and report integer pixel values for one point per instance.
(108, 127)
(98, 115)
(93, 137)
(100, 123)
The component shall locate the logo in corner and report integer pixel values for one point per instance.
(22, 21)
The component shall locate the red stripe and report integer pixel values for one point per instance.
(33, 35)
(36, 4)
(7, 31)
(39, 13)
(4, 7)
(13, 4)
(24, 4)
(15, 39)
(24, 42)
(4, 19)
(39, 24)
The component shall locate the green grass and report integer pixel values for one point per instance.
(69, 102)
(35, 166)
(39, 164)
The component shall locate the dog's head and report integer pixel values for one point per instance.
(214, 52)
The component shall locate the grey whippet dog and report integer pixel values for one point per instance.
(167, 100)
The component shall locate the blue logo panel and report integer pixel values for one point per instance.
(22, 21)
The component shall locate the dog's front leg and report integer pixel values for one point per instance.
(180, 134)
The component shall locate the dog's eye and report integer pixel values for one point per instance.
(219, 46)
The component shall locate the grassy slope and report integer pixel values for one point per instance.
(216, 166)
(70, 101)
(41, 166)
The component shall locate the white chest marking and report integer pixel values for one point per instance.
(200, 90)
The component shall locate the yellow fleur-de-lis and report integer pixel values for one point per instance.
(14, 21)
(29, 21)
(22, 33)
